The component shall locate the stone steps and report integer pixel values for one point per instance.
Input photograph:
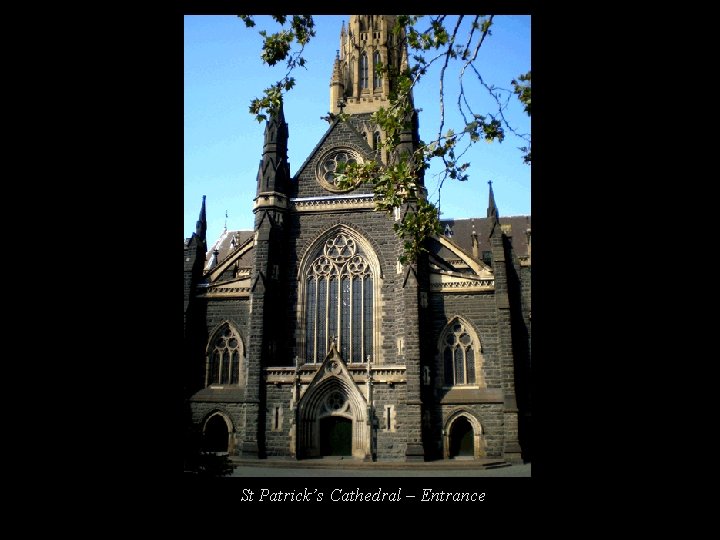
(350, 463)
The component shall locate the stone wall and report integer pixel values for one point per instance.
(390, 444)
(277, 438)
(479, 310)
(234, 310)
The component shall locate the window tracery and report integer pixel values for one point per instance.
(339, 301)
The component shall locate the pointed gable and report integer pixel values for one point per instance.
(229, 245)
(228, 266)
(334, 370)
(454, 270)
(340, 135)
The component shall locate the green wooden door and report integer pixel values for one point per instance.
(335, 436)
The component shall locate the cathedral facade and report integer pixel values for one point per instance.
(306, 337)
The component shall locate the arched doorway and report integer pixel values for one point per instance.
(215, 435)
(332, 417)
(335, 436)
(462, 439)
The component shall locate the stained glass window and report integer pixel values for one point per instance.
(368, 317)
(224, 357)
(321, 345)
(333, 163)
(448, 362)
(458, 354)
(311, 312)
(345, 316)
(346, 309)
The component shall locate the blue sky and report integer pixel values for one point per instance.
(223, 141)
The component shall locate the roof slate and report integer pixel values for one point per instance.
(225, 246)
(462, 233)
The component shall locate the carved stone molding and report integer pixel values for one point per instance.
(359, 372)
(445, 282)
(332, 203)
(236, 289)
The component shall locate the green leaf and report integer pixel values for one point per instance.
(248, 20)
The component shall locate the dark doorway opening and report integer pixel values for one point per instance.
(335, 436)
(215, 438)
(461, 438)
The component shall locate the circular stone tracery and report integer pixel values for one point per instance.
(331, 164)
(335, 401)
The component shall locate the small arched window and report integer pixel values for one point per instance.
(376, 141)
(363, 70)
(461, 357)
(224, 353)
(377, 81)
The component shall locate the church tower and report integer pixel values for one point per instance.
(368, 41)
(356, 86)
(266, 288)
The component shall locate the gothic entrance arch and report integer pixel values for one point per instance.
(332, 414)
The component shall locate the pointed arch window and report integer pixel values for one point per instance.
(376, 141)
(377, 81)
(363, 70)
(461, 357)
(339, 299)
(224, 353)
(351, 74)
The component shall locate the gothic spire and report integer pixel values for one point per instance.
(274, 169)
(201, 225)
(276, 131)
(337, 77)
(492, 211)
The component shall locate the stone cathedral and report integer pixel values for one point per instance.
(306, 337)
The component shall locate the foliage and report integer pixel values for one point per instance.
(197, 460)
(397, 184)
(212, 464)
(207, 463)
(276, 47)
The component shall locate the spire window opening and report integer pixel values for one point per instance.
(363, 71)
(377, 81)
